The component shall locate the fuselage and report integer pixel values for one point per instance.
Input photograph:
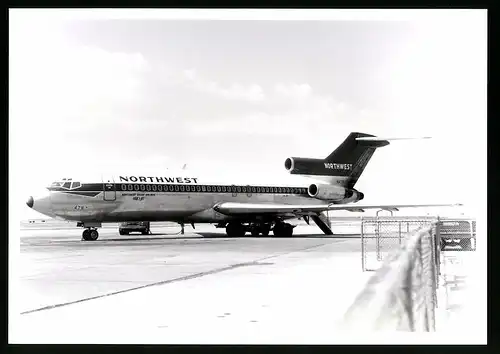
(184, 198)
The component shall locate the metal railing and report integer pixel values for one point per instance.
(402, 294)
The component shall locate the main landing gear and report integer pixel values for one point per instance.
(280, 229)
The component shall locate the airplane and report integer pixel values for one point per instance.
(257, 208)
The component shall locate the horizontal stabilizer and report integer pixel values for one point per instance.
(376, 138)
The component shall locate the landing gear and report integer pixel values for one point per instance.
(260, 229)
(90, 234)
(282, 229)
(234, 229)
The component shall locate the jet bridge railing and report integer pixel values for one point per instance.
(402, 294)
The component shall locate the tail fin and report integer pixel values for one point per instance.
(344, 165)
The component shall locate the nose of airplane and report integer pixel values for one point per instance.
(30, 202)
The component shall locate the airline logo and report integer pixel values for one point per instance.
(158, 179)
(338, 166)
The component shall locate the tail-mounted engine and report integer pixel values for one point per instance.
(305, 166)
(334, 193)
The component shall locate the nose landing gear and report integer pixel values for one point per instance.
(90, 233)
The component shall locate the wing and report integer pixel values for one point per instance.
(232, 209)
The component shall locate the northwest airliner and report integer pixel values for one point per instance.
(239, 208)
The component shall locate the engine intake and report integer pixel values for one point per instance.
(334, 193)
(301, 165)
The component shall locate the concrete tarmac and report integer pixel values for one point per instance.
(60, 275)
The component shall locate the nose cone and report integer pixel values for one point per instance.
(30, 202)
(41, 203)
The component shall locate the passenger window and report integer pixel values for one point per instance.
(203, 188)
(188, 188)
(171, 188)
(198, 188)
(254, 189)
(142, 187)
(66, 185)
(136, 187)
(244, 189)
(233, 189)
(148, 187)
(258, 189)
(176, 188)
(154, 187)
(130, 187)
(181, 188)
(209, 188)
(238, 189)
(124, 187)
(218, 189)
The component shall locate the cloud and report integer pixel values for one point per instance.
(65, 98)
(251, 93)
(287, 110)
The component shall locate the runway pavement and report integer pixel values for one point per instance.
(181, 282)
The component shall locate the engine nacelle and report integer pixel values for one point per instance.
(334, 193)
(302, 165)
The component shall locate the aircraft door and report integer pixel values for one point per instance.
(108, 185)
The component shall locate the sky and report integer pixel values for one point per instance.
(93, 92)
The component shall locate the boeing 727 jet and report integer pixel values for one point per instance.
(239, 208)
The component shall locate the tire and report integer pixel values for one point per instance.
(265, 231)
(93, 235)
(255, 232)
(235, 230)
(86, 235)
(283, 230)
(288, 230)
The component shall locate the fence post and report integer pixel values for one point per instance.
(363, 266)
(377, 239)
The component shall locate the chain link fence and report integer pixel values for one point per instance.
(380, 236)
(402, 294)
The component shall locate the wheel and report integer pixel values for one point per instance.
(283, 230)
(86, 235)
(255, 231)
(93, 235)
(288, 230)
(265, 230)
(121, 233)
(144, 232)
(235, 230)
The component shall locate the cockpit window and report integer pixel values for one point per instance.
(66, 183)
